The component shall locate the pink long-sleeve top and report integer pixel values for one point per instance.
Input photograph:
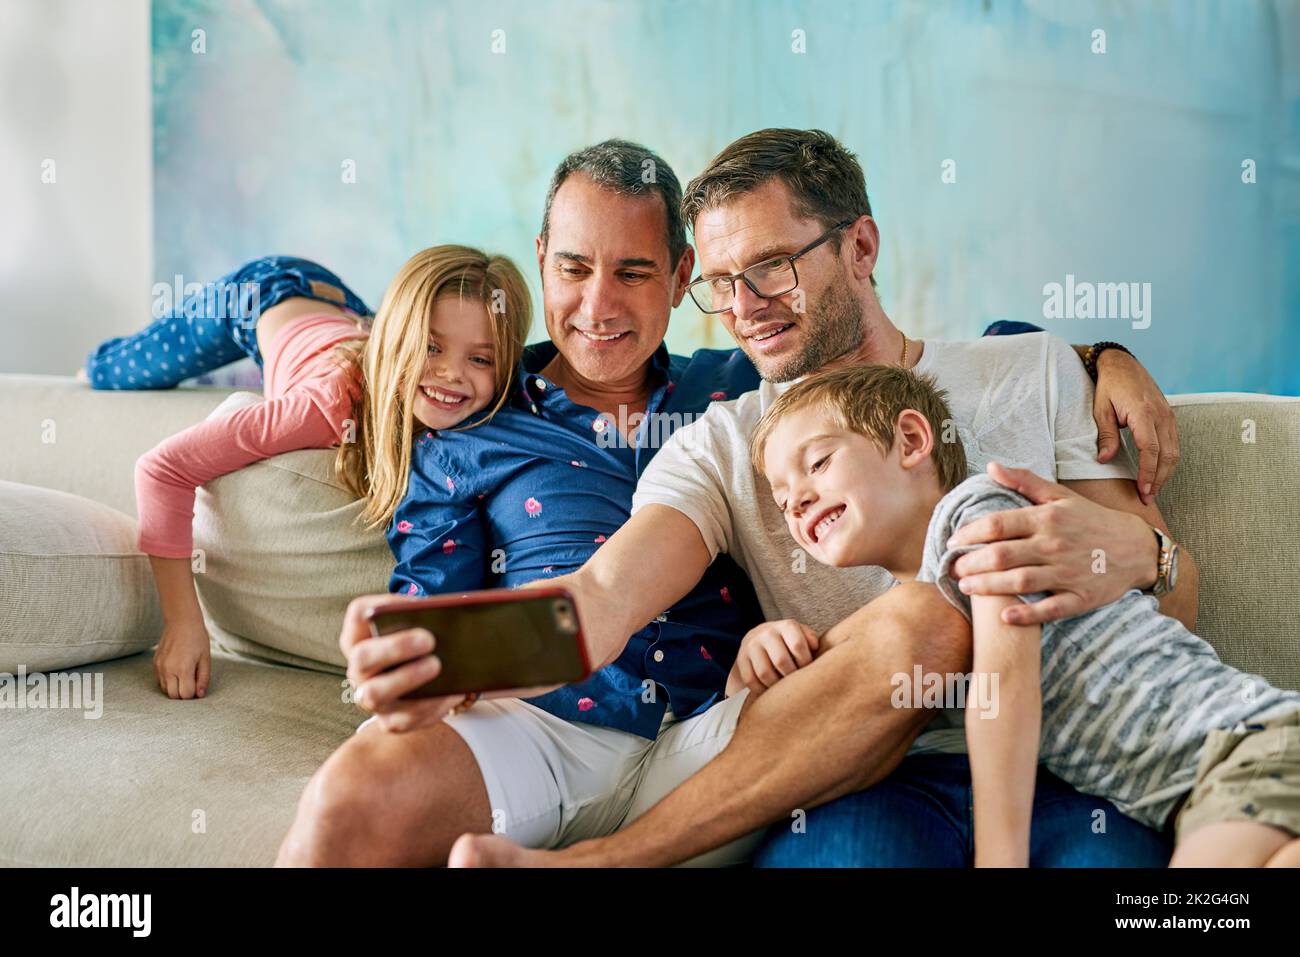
(309, 398)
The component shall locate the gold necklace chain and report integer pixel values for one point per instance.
(903, 359)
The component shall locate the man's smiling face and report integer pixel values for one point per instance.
(607, 284)
(808, 327)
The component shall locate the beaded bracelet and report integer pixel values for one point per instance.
(1094, 352)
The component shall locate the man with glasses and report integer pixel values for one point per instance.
(769, 279)
(794, 287)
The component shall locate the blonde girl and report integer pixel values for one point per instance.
(440, 354)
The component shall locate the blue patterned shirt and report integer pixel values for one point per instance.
(534, 492)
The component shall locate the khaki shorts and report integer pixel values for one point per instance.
(553, 782)
(1247, 776)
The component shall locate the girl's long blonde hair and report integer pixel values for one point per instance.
(390, 363)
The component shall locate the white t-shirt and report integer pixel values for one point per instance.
(1022, 400)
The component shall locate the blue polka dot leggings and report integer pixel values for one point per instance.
(213, 325)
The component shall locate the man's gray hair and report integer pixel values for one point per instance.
(630, 169)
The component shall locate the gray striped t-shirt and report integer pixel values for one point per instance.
(1129, 694)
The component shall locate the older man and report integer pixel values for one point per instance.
(575, 763)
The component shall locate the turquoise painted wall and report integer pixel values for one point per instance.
(1117, 167)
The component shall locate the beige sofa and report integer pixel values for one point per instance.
(214, 782)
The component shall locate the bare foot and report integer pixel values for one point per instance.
(493, 850)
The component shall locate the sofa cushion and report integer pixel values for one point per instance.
(1232, 502)
(140, 780)
(73, 587)
(280, 555)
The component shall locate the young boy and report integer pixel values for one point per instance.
(1133, 707)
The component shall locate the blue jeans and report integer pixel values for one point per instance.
(214, 326)
(921, 816)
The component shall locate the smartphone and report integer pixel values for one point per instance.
(493, 640)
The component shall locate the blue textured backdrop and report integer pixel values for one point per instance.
(1117, 167)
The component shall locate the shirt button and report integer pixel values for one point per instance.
(540, 383)
(661, 617)
(659, 655)
(598, 425)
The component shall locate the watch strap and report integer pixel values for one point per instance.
(1164, 562)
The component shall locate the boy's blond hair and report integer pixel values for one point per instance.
(867, 399)
(391, 361)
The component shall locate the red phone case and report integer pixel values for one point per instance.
(488, 597)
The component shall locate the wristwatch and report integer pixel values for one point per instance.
(1166, 565)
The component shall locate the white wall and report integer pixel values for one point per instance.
(75, 255)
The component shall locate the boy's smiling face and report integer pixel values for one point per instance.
(845, 501)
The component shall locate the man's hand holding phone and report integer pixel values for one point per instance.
(383, 669)
(412, 661)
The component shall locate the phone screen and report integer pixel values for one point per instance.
(503, 644)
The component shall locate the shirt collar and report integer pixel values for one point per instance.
(537, 356)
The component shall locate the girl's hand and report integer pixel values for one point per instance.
(183, 661)
(770, 652)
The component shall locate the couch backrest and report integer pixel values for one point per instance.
(1234, 502)
(60, 433)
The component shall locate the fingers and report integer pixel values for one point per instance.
(1170, 452)
(369, 658)
(742, 670)
(380, 694)
(765, 671)
(782, 652)
(814, 639)
(1155, 436)
(757, 670)
(1031, 485)
(771, 651)
(1016, 479)
(747, 675)
(1147, 440)
(1107, 428)
(1015, 523)
(168, 677)
(205, 675)
(779, 658)
(800, 643)
(1052, 608)
(998, 557)
(181, 683)
(1016, 581)
(356, 627)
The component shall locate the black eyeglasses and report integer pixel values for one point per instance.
(767, 280)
